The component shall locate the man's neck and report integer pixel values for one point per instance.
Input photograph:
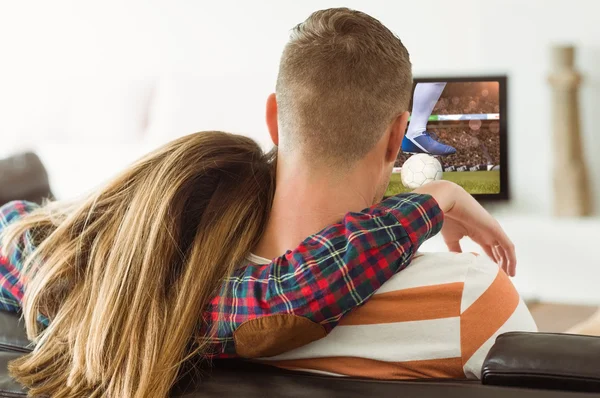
(305, 202)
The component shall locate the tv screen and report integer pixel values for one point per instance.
(456, 132)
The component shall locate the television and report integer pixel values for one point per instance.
(461, 122)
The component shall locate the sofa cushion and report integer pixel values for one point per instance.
(8, 387)
(12, 333)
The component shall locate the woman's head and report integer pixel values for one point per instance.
(125, 275)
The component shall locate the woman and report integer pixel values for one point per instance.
(120, 289)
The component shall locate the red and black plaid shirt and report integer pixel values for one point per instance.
(327, 275)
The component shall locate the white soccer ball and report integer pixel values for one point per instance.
(419, 170)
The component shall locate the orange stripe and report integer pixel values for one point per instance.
(487, 314)
(414, 304)
(362, 367)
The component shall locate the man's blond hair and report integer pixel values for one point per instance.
(343, 78)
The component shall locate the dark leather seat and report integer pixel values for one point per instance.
(12, 334)
(260, 382)
(234, 378)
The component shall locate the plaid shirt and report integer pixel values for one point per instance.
(326, 276)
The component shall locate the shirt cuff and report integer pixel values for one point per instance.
(421, 217)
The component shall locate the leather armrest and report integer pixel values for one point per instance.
(12, 333)
(544, 360)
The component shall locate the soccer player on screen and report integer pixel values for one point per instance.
(417, 138)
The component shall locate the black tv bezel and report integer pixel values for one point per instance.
(502, 81)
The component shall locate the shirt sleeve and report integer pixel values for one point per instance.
(490, 306)
(11, 259)
(331, 272)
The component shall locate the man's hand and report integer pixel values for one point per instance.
(465, 217)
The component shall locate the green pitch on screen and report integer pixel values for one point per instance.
(474, 182)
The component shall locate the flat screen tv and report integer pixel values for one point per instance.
(461, 122)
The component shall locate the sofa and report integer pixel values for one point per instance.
(527, 365)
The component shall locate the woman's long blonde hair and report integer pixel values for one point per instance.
(124, 275)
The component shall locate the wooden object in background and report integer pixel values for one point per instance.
(571, 184)
(560, 318)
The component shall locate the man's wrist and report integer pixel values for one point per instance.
(444, 193)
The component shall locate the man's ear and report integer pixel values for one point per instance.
(272, 119)
(396, 135)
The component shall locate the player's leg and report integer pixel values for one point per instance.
(417, 139)
(425, 97)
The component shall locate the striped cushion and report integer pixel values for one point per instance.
(436, 319)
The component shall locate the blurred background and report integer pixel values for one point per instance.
(90, 86)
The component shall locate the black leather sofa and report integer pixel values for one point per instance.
(520, 365)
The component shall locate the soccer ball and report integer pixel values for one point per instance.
(419, 170)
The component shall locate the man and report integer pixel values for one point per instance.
(338, 119)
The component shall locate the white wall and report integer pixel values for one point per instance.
(91, 85)
(55, 55)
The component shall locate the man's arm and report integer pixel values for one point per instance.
(340, 268)
(490, 306)
(331, 272)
